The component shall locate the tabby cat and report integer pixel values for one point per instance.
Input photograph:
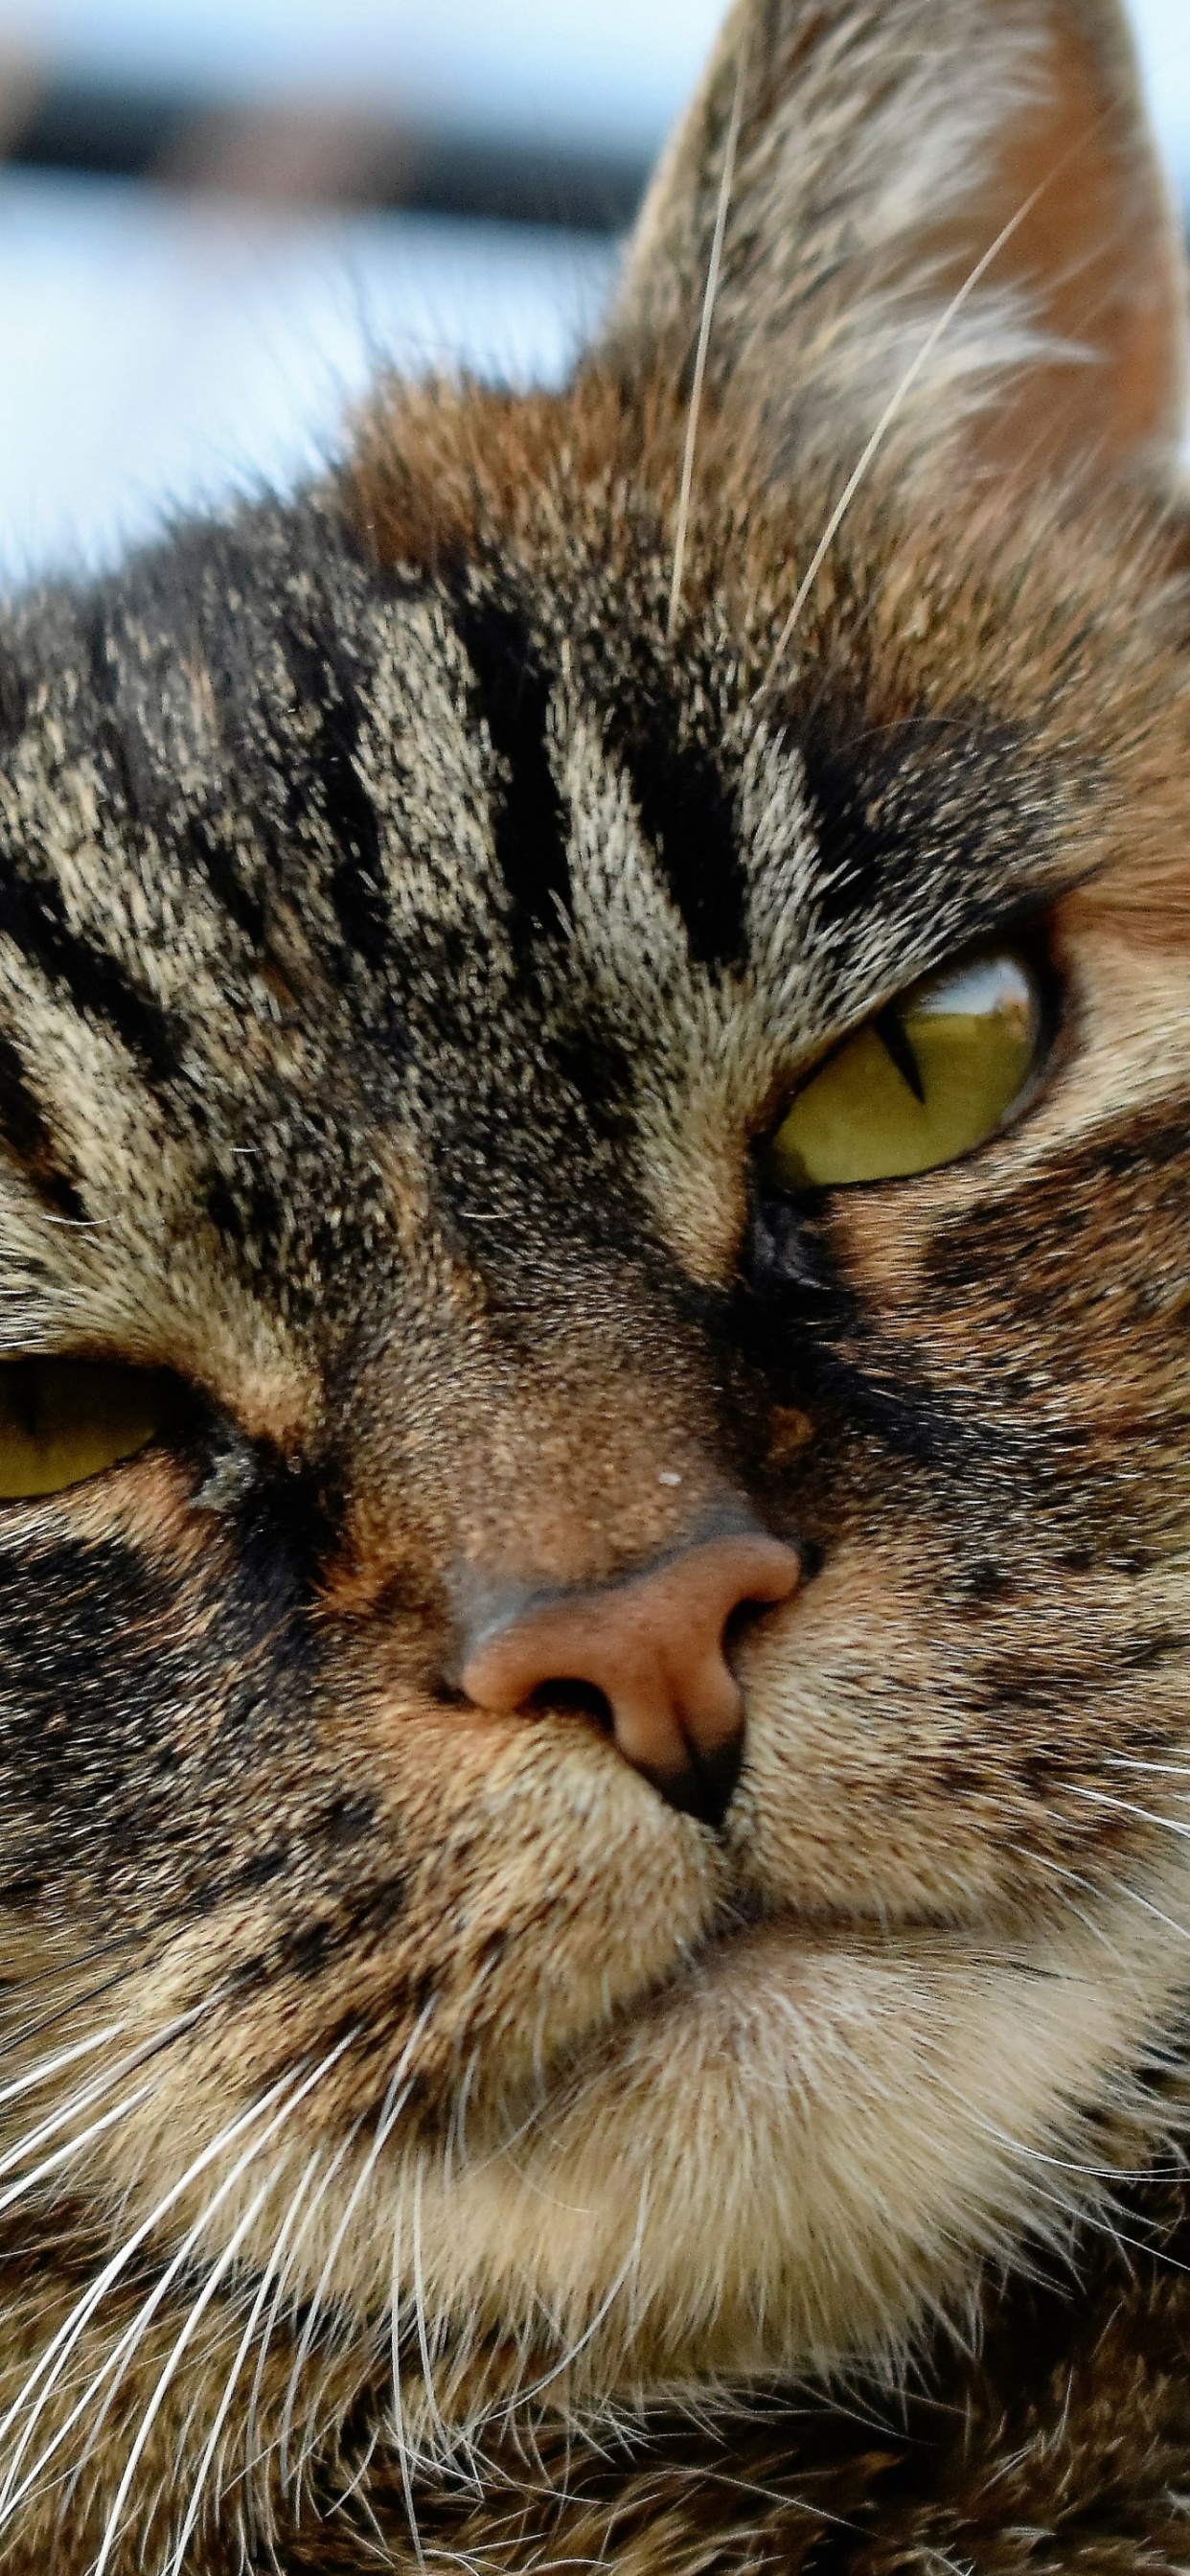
(594, 1513)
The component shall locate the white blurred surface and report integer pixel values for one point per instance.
(1163, 39)
(589, 70)
(576, 70)
(159, 352)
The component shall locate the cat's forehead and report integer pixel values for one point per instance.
(420, 786)
(337, 880)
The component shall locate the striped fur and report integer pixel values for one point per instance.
(417, 2142)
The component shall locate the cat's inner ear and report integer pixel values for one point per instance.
(885, 149)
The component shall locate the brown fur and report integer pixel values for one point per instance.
(407, 944)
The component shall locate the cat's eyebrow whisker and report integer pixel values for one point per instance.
(896, 402)
(726, 183)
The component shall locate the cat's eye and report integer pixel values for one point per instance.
(936, 1073)
(64, 1420)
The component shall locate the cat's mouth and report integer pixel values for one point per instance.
(786, 2143)
(814, 1952)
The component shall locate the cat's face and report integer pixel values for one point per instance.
(410, 945)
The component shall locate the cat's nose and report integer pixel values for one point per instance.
(651, 1652)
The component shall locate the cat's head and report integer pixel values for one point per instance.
(606, 1771)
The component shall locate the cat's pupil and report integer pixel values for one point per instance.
(933, 1076)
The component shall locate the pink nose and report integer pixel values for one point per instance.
(652, 1647)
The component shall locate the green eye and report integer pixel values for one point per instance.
(936, 1073)
(63, 1420)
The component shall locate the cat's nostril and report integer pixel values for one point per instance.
(646, 1657)
(569, 1698)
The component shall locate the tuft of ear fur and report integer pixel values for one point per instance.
(958, 198)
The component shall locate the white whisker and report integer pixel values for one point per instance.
(113, 2368)
(52, 2362)
(419, 2310)
(243, 2349)
(572, 2352)
(51, 2066)
(726, 182)
(1125, 1807)
(253, 2455)
(87, 2094)
(1075, 1878)
(895, 404)
(168, 2373)
(403, 2447)
(390, 2111)
(73, 2147)
(1133, 1762)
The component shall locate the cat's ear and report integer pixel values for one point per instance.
(882, 150)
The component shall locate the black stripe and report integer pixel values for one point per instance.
(324, 685)
(1139, 1168)
(248, 1213)
(20, 1112)
(24, 1129)
(14, 703)
(529, 820)
(34, 919)
(109, 734)
(687, 812)
(219, 862)
(892, 841)
(802, 1324)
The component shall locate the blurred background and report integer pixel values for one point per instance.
(218, 216)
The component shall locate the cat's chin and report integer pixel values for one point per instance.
(790, 2158)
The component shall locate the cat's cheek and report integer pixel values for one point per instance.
(518, 1890)
(919, 1754)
